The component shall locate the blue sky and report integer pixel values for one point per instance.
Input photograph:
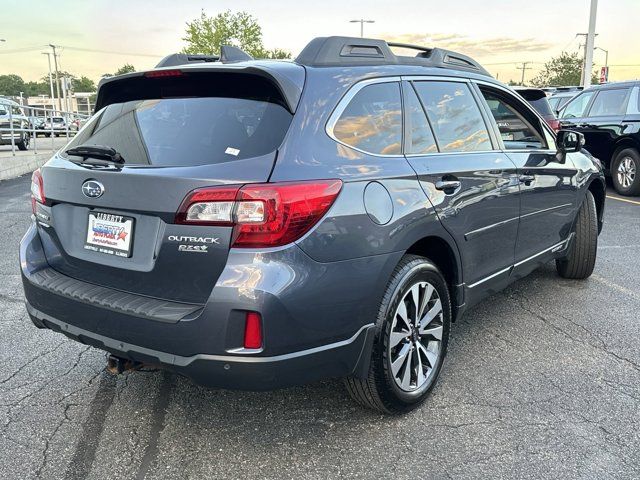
(98, 36)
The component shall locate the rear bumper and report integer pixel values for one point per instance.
(338, 359)
(317, 317)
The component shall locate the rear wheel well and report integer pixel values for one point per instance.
(597, 189)
(441, 254)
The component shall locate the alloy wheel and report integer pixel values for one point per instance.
(626, 172)
(415, 338)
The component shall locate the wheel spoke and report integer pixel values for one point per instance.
(400, 359)
(432, 357)
(402, 313)
(425, 300)
(420, 375)
(415, 297)
(430, 315)
(435, 332)
(396, 337)
(406, 378)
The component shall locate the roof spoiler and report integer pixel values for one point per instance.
(228, 54)
(352, 51)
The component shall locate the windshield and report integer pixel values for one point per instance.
(188, 131)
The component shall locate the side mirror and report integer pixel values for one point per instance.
(569, 141)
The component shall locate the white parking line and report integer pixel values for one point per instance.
(623, 199)
(615, 286)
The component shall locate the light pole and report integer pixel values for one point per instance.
(606, 55)
(588, 51)
(48, 54)
(362, 21)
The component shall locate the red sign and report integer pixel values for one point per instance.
(604, 74)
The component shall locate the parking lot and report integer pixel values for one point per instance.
(541, 381)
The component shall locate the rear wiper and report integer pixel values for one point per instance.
(104, 155)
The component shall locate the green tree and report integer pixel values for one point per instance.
(563, 70)
(11, 85)
(83, 84)
(126, 68)
(205, 35)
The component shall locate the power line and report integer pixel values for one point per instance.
(523, 68)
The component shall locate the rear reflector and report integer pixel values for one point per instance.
(263, 215)
(253, 331)
(37, 189)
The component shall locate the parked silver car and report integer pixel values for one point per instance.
(12, 113)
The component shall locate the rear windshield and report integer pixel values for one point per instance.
(542, 106)
(222, 125)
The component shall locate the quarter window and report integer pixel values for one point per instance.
(372, 121)
(454, 115)
(577, 107)
(610, 102)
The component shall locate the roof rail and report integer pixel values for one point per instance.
(352, 51)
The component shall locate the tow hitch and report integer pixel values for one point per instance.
(117, 365)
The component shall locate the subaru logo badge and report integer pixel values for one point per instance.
(92, 189)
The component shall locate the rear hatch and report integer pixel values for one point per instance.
(114, 226)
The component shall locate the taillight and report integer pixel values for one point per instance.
(253, 331)
(263, 215)
(37, 190)
(554, 124)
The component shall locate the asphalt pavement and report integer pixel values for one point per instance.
(541, 381)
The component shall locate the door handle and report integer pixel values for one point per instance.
(448, 186)
(526, 179)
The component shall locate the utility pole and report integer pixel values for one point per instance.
(362, 21)
(48, 54)
(523, 68)
(55, 63)
(588, 50)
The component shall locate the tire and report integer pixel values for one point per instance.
(625, 172)
(24, 144)
(581, 258)
(386, 388)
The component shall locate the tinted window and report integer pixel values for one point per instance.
(3, 110)
(372, 121)
(188, 131)
(454, 115)
(418, 130)
(554, 103)
(610, 102)
(515, 128)
(576, 108)
(542, 107)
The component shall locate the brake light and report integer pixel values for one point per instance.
(263, 215)
(37, 190)
(163, 73)
(554, 124)
(253, 331)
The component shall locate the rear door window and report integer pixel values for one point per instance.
(610, 102)
(454, 115)
(185, 130)
(577, 107)
(372, 121)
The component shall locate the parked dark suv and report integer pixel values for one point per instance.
(609, 118)
(260, 224)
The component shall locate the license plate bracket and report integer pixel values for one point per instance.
(109, 233)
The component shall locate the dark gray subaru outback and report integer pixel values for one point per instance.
(261, 224)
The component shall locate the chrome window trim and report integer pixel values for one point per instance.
(344, 102)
